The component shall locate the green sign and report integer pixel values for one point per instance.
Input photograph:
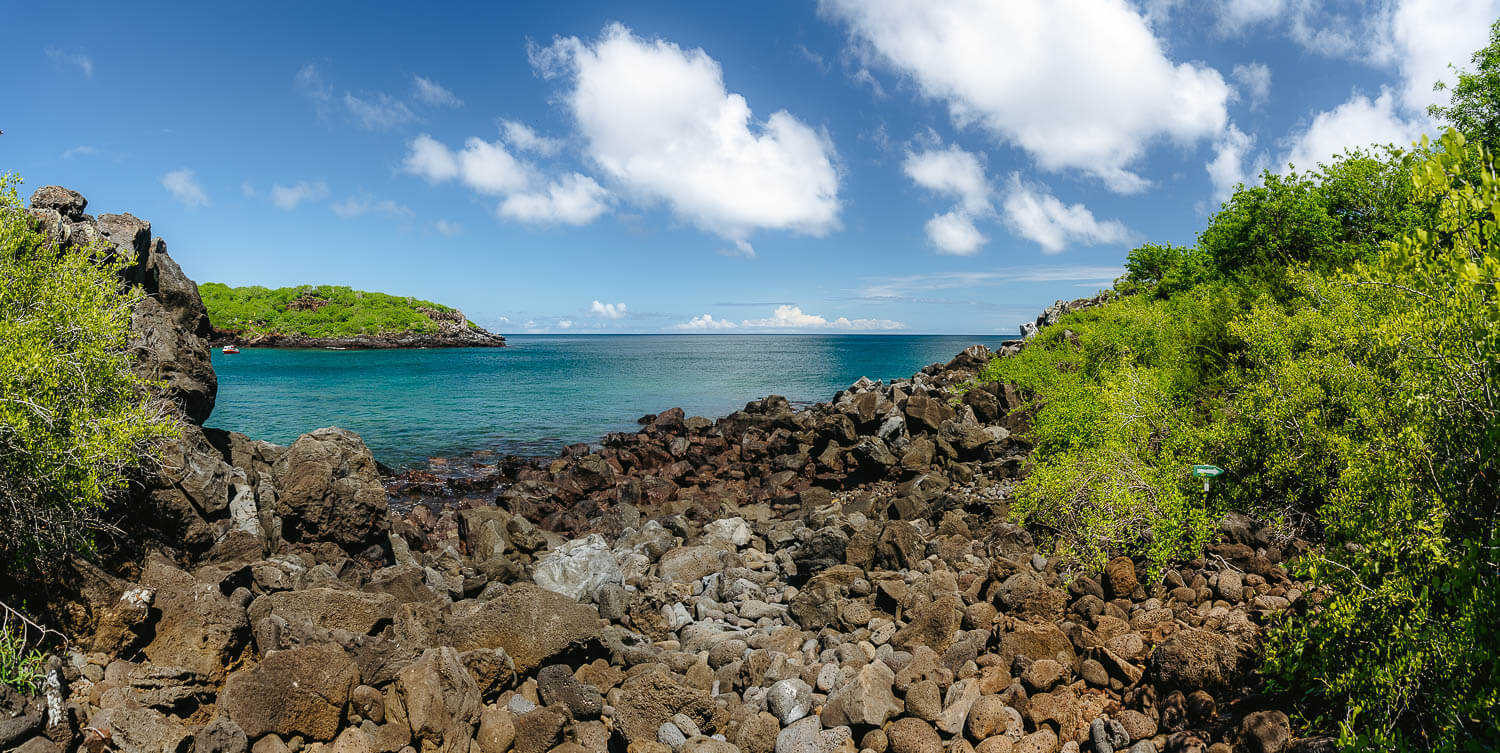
(1207, 472)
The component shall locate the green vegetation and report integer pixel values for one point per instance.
(1475, 105)
(1332, 341)
(74, 417)
(320, 311)
(21, 663)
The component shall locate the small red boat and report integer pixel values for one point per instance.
(231, 349)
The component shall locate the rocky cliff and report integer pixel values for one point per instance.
(170, 326)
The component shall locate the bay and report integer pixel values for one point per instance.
(544, 391)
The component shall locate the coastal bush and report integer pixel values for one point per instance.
(1346, 375)
(74, 417)
(316, 311)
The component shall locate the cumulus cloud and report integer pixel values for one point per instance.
(608, 310)
(73, 59)
(363, 204)
(572, 200)
(1360, 122)
(1035, 214)
(1428, 35)
(432, 93)
(448, 228)
(488, 168)
(954, 233)
(483, 166)
(184, 187)
(288, 197)
(791, 317)
(951, 172)
(1031, 73)
(522, 137)
(1255, 81)
(658, 121)
(565, 324)
(1231, 164)
(381, 112)
(705, 322)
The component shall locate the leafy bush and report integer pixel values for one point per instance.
(317, 311)
(74, 417)
(1334, 343)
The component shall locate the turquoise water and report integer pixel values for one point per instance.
(544, 391)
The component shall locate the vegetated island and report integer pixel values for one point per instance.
(335, 316)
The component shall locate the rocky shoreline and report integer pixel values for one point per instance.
(450, 337)
(839, 578)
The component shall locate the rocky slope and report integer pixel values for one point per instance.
(840, 578)
(171, 326)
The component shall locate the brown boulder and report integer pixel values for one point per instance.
(531, 623)
(652, 697)
(1195, 658)
(932, 625)
(329, 490)
(298, 692)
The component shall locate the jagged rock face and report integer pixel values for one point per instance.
(170, 328)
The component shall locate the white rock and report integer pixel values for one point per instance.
(731, 530)
(578, 568)
(788, 701)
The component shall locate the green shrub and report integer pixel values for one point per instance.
(1349, 384)
(74, 417)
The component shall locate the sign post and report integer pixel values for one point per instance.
(1207, 473)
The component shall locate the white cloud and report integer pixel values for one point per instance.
(185, 188)
(522, 137)
(430, 92)
(380, 113)
(791, 317)
(573, 200)
(482, 166)
(1230, 165)
(1078, 85)
(1235, 15)
(288, 197)
(1035, 214)
(357, 206)
(740, 248)
(1359, 122)
(608, 310)
(564, 324)
(1428, 35)
(954, 233)
(80, 151)
(448, 228)
(658, 121)
(76, 59)
(951, 172)
(1255, 79)
(309, 81)
(705, 322)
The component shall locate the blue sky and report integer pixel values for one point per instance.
(840, 165)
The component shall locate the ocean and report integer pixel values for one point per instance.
(544, 391)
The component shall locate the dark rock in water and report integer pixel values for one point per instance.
(328, 485)
(169, 328)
